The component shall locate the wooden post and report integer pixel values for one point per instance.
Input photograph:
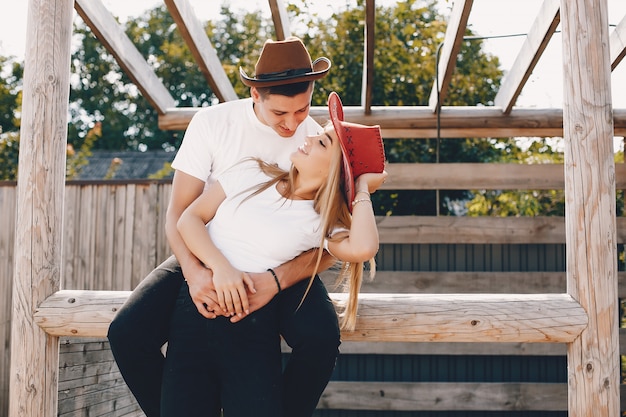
(593, 358)
(40, 194)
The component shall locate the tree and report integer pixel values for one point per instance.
(407, 37)
(10, 105)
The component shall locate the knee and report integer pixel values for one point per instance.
(116, 333)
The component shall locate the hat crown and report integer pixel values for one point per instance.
(288, 56)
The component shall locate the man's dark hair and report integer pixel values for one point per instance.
(289, 90)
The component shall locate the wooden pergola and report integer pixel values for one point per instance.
(585, 317)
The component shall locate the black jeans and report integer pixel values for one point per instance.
(215, 364)
(141, 327)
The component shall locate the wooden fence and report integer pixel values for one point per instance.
(113, 236)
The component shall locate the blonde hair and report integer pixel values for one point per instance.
(330, 203)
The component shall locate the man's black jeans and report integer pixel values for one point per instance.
(215, 364)
(141, 327)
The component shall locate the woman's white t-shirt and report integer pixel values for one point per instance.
(266, 230)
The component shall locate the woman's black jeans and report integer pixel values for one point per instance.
(215, 364)
(141, 327)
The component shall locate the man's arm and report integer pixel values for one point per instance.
(185, 189)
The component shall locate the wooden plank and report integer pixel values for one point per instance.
(280, 19)
(538, 38)
(592, 357)
(40, 199)
(444, 396)
(478, 176)
(478, 230)
(114, 39)
(468, 230)
(618, 43)
(70, 219)
(458, 282)
(195, 37)
(8, 199)
(536, 318)
(369, 48)
(455, 30)
(420, 122)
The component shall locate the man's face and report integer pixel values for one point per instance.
(281, 113)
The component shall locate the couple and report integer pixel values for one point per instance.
(270, 126)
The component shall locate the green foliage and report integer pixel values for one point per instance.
(10, 93)
(9, 155)
(166, 172)
(77, 160)
(108, 112)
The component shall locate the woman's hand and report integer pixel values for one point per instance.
(370, 181)
(230, 286)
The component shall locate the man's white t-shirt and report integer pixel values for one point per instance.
(264, 230)
(220, 136)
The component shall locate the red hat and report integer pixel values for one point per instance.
(361, 147)
(285, 62)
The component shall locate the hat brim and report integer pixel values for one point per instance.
(335, 108)
(319, 70)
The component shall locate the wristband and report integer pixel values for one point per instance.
(275, 279)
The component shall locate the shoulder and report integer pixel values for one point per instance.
(221, 109)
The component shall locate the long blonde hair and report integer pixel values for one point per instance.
(330, 203)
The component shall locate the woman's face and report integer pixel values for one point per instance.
(313, 157)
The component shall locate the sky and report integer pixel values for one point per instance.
(487, 18)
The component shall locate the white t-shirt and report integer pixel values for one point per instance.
(265, 230)
(220, 136)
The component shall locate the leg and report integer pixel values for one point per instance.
(191, 385)
(312, 331)
(140, 329)
(251, 365)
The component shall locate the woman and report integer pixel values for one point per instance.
(259, 217)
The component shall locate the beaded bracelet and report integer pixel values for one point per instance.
(360, 200)
(364, 191)
(275, 279)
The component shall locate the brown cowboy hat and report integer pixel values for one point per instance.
(361, 147)
(285, 62)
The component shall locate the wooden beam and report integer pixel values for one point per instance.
(478, 230)
(420, 122)
(554, 318)
(459, 348)
(467, 397)
(618, 43)
(368, 55)
(40, 198)
(115, 40)
(203, 52)
(471, 230)
(592, 357)
(538, 38)
(482, 176)
(457, 23)
(280, 19)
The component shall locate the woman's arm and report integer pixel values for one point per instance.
(230, 283)
(185, 189)
(361, 242)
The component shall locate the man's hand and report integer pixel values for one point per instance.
(266, 289)
(202, 292)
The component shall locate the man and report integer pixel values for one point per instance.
(269, 125)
